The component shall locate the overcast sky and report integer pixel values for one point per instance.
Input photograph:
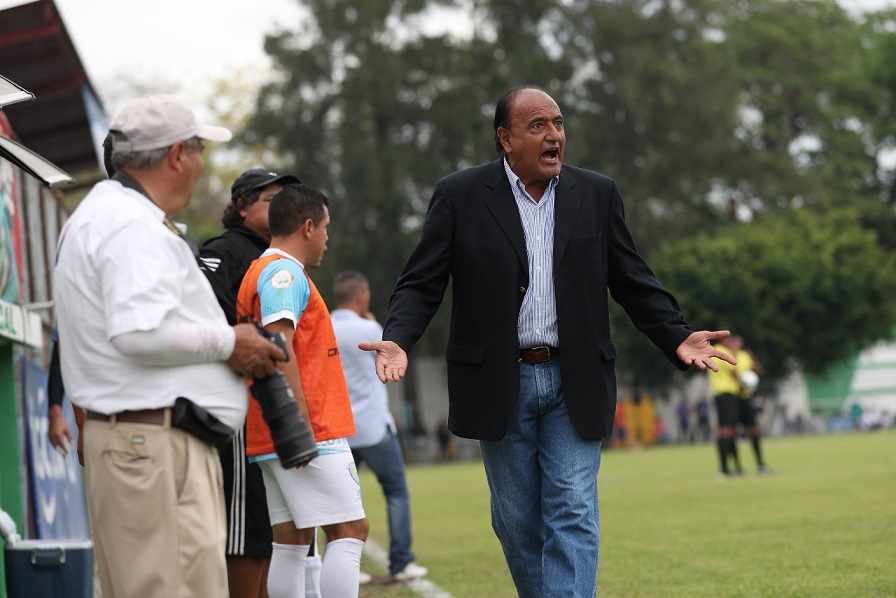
(184, 42)
(189, 41)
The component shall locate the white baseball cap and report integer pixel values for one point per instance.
(157, 121)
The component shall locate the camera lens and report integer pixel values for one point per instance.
(292, 436)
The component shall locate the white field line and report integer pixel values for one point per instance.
(423, 587)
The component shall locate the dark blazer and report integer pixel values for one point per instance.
(473, 235)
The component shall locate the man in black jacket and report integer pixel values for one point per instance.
(224, 261)
(531, 247)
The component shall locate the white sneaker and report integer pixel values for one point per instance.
(364, 578)
(411, 571)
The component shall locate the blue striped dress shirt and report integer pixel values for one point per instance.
(537, 324)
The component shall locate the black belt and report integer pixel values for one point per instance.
(143, 416)
(538, 354)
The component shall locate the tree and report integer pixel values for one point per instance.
(810, 102)
(807, 121)
(656, 108)
(806, 288)
(879, 45)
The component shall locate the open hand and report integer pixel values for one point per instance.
(697, 350)
(391, 360)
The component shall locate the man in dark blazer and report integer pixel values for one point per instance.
(531, 248)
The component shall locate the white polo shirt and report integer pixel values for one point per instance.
(369, 397)
(120, 270)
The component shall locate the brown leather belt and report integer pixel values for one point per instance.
(143, 416)
(538, 354)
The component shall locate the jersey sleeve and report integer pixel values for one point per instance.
(283, 292)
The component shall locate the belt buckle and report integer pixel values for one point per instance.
(547, 353)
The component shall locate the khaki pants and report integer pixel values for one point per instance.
(156, 510)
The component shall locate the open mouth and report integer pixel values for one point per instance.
(551, 154)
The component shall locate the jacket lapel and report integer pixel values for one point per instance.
(566, 209)
(500, 202)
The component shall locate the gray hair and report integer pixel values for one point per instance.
(146, 160)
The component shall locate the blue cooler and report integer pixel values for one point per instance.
(49, 569)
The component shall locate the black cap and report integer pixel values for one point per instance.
(259, 178)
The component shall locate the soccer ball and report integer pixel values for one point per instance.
(749, 380)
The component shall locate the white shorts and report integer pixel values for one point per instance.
(325, 492)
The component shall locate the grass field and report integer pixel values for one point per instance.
(824, 524)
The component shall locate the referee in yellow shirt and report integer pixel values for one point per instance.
(733, 391)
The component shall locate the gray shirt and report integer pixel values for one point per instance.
(369, 398)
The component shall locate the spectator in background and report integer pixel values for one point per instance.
(660, 433)
(855, 414)
(704, 429)
(620, 429)
(375, 442)
(447, 442)
(683, 413)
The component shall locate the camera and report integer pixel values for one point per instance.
(292, 435)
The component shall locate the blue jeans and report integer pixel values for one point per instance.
(387, 463)
(543, 481)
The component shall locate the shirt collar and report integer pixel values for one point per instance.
(282, 254)
(516, 183)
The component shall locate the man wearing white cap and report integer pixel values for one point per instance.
(152, 360)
